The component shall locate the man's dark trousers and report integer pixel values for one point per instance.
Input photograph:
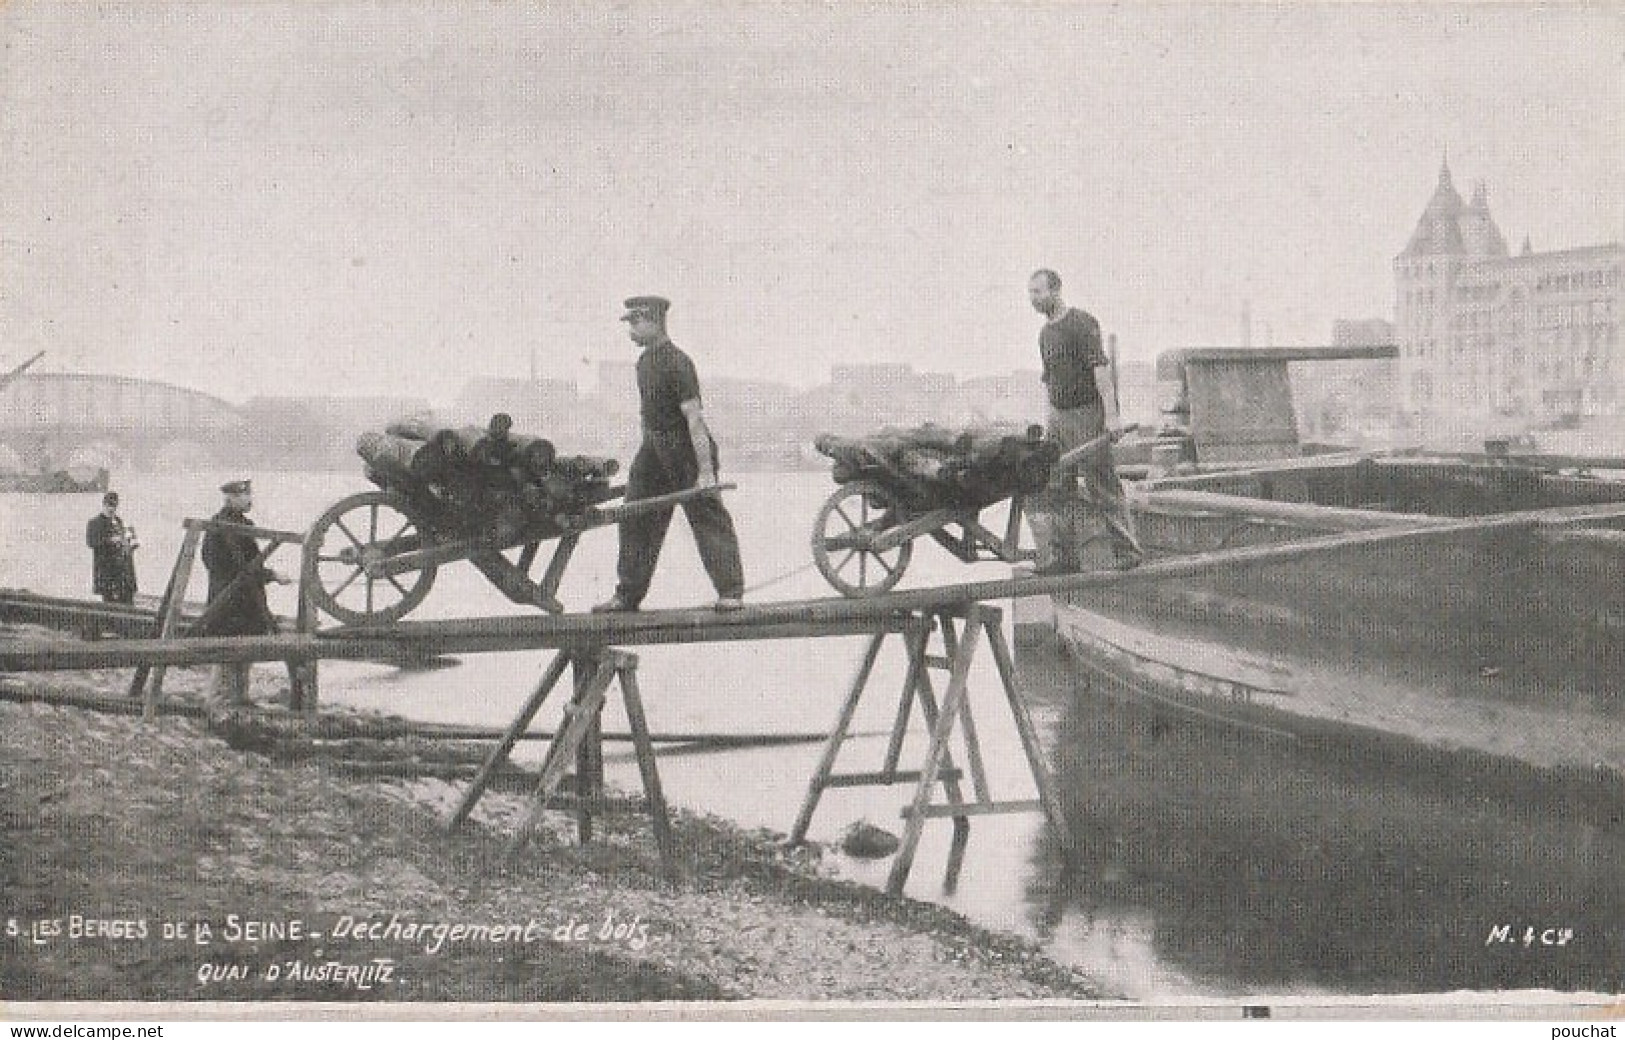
(664, 464)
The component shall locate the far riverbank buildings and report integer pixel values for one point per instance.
(1487, 337)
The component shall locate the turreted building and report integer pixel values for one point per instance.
(1489, 339)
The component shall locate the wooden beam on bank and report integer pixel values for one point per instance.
(26, 608)
(383, 644)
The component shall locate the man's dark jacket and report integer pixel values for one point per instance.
(227, 554)
(112, 571)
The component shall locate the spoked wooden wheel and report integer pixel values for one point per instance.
(361, 530)
(843, 540)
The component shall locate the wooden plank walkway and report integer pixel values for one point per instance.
(799, 619)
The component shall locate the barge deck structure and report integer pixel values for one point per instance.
(1472, 604)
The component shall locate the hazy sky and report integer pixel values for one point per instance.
(389, 198)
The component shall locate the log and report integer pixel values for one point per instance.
(836, 446)
(535, 455)
(496, 449)
(412, 427)
(391, 456)
(1302, 514)
(986, 444)
(456, 444)
(444, 454)
(485, 482)
(931, 464)
(587, 468)
(937, 467)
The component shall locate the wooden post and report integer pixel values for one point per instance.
(1049, 794)
(1013, 552)
(303, 691)
(941, 730)
(579, 736)
(177, 575)
(579, 716)
(973, 747)
(960, 647)
(644, 749)
(949, 772)
(589, 787)
(916, 644)
(169, 620)
(837, 736)
(547, 591)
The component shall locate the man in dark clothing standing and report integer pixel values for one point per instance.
(112, 547)
(242, 610)
(1081, 407)
(677, 453)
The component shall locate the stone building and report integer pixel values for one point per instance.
(1491, 341)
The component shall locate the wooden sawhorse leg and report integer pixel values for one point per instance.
(980, 621)
(916, 688)
(148, 682)
(499, 754)
(579, 737)
(976, 623)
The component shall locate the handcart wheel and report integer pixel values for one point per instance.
(356, 531)
(843, 536)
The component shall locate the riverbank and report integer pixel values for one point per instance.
(117, 836)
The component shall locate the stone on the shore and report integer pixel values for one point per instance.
(863, 840)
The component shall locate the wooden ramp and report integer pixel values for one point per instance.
(594, 644)
(799, 619)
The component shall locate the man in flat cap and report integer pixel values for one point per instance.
(677, 453)
(1082, 406)
(112, 553)
(243, 610)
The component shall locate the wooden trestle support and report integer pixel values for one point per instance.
(581, 737)
(148, 681)
(961, 629)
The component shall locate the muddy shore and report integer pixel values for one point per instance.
(119, 838)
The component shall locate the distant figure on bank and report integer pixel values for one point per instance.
(677, 453)
(112, 553)
(244, 611)
(1082, 406)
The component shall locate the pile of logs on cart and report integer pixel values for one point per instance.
(931, 467)
(470, 480)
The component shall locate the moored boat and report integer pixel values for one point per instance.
(47, 479)
(1475, 604)
(72, 480)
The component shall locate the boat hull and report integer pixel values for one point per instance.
(1507, 640)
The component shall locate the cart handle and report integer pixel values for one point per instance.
(1073, 457)
(615, 514)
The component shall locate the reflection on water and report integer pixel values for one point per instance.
(1252, 864)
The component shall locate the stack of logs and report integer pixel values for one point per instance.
(932, 466)
(468, 477)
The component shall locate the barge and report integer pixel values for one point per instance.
(1504, 637)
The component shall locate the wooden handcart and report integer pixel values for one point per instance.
(372, 557)
(864, 534)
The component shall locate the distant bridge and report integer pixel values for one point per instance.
(62, 419)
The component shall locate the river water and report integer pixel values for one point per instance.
(1213, 864)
